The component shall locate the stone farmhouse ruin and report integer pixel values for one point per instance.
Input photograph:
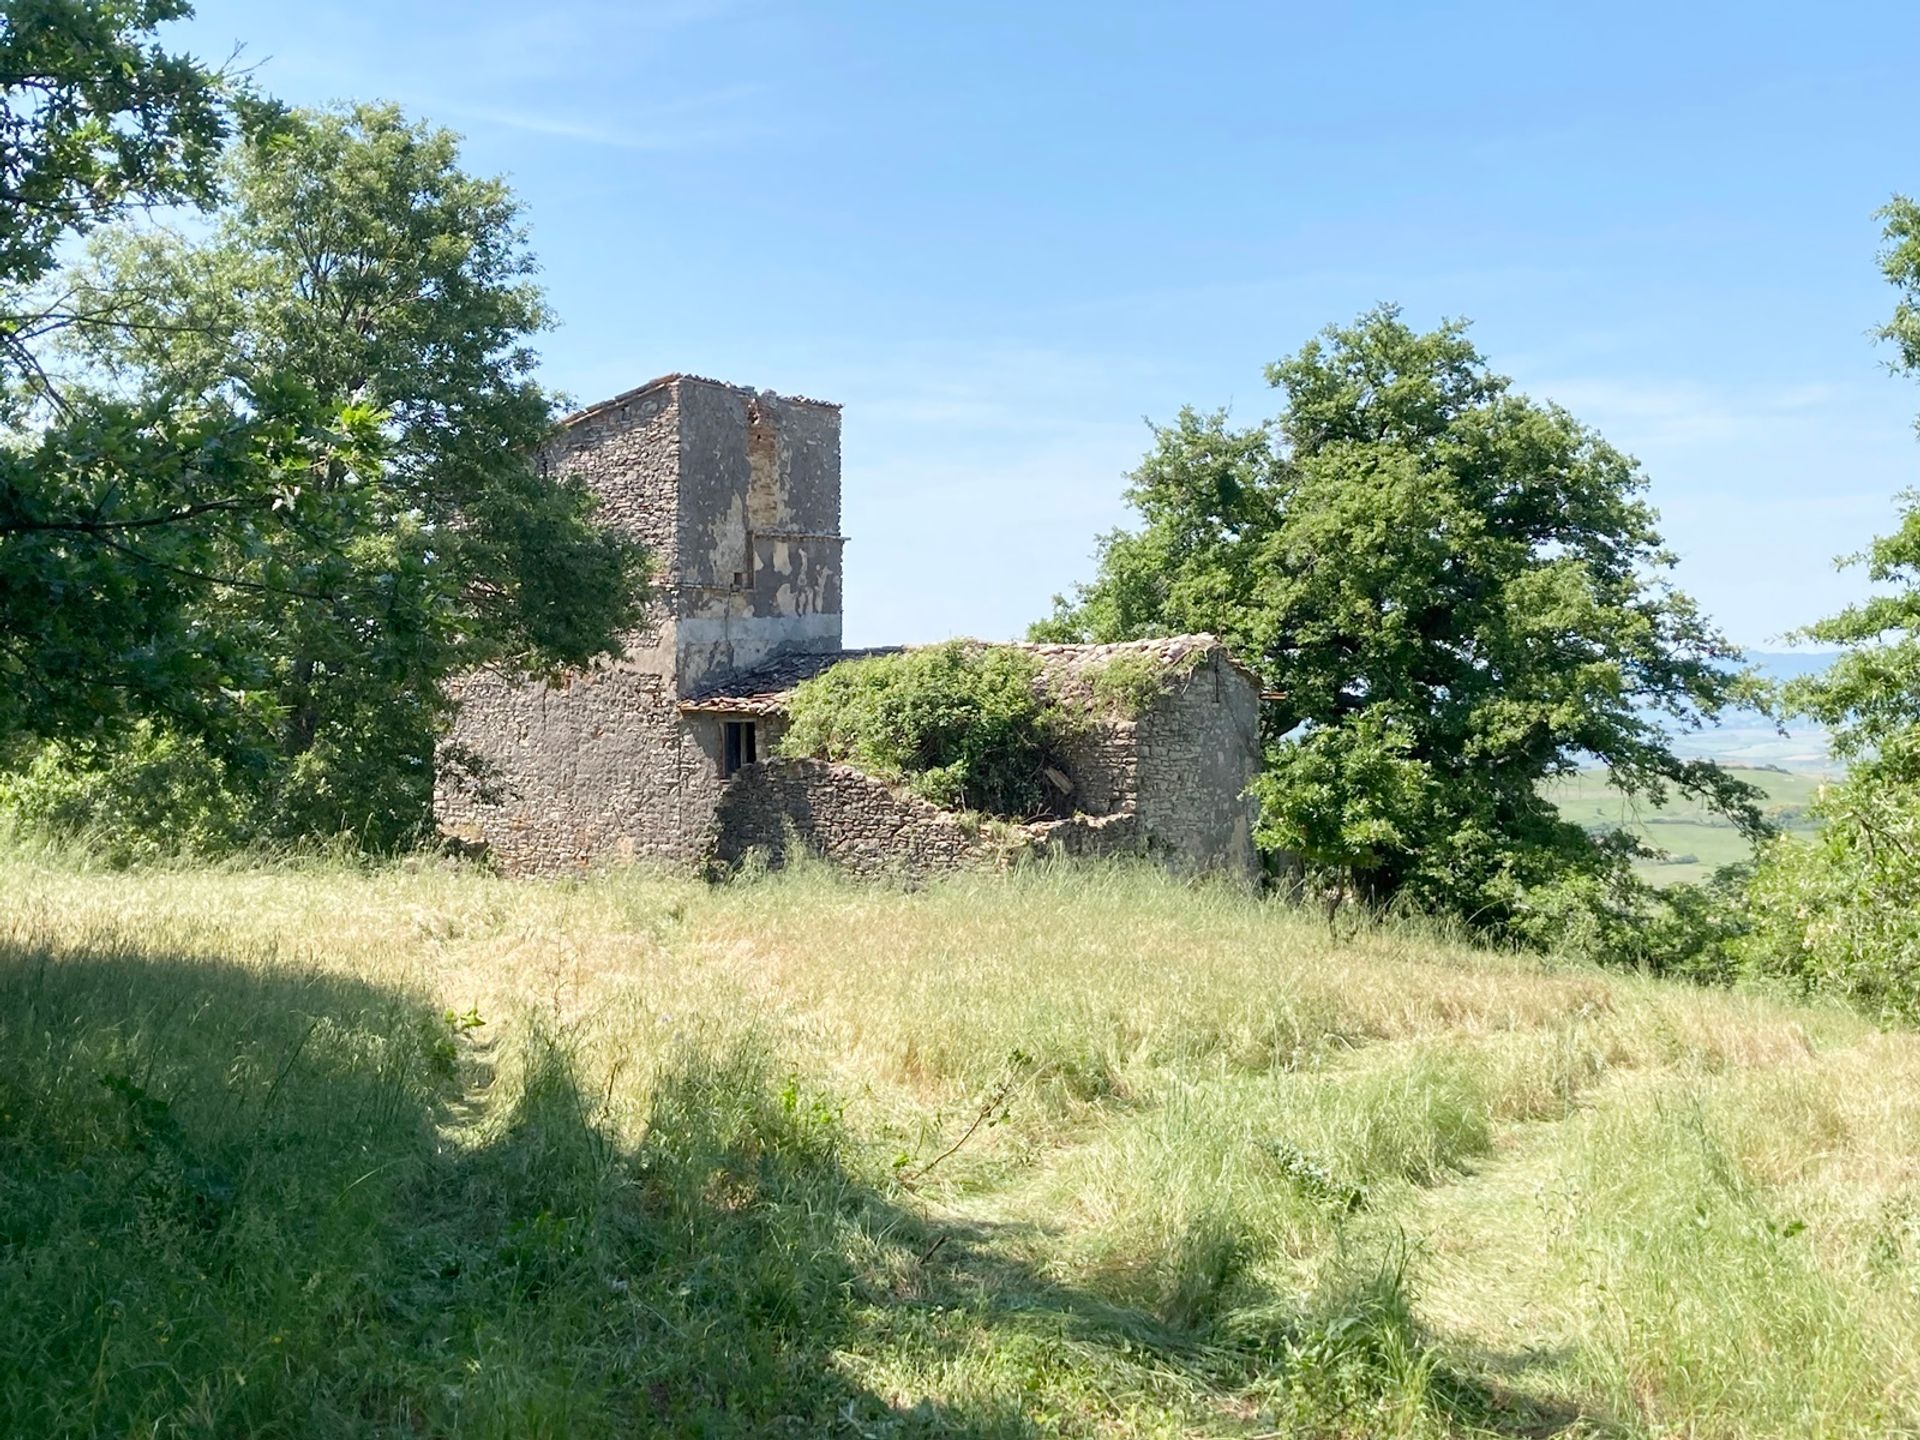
(668, 754)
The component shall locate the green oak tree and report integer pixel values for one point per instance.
(355, 270)
(1452, 592)
(99, 118)
(96, 116)
(123, 528)
(359, 256)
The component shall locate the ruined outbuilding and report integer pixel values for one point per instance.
(668, 754)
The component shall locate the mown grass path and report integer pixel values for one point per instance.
(313, 1151)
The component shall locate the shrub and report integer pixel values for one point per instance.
(1126, 684)
(1611, 915)
(963, 725)
(157, 794)
(1833, 913)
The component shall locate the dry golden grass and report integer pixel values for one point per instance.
(1223, 1151)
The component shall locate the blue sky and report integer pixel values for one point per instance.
(1003, 235)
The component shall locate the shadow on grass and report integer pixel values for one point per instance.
(244, 1200)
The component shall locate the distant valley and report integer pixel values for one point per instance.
(1694, 841)
(1748, 738)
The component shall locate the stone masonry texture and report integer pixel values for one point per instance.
(736, 495)
(602, 765)
(1169, 784)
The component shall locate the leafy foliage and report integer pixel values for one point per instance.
(1459, 592)
(135, 537)
(299, 603)
(1833, 913)
(1610, 916)
(158, 793)
(1830, 914)
(95, 115)
(1900, 263)
(1127, 684)
(963, 725)
(359, 255)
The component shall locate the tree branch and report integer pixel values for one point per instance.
(204, 578)
(143, 522)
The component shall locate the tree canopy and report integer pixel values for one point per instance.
(1869, 698)
(1832, 914)
(95, 116)
(357, 255)
(297, 480)
(1453, 592)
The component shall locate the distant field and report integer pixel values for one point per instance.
(1696, 842)
(311, 1152)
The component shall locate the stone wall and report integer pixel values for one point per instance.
(593, 766)
(757, 547)
(1103, 762)
(602, 765)
(1170, 785)
(847, 817)
(1182, 765)
(870, 828)
(627, 452)
(1198, 751)
(736, 495)
(1088, 837)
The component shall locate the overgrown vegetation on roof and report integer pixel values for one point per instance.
(965, 726)
(1125, 684)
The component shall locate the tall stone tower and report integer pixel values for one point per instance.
(736, 495)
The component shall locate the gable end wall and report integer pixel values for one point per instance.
(1197, 752)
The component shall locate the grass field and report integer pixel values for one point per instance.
(318, 1152)
(1696, 841)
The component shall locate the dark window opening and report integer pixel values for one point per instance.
(740, 746)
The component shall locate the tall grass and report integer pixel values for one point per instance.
(324, 1149)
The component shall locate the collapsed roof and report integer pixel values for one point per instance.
(765, 689)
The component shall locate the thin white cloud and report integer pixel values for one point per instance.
(1757, 484)
(1685, 412)
(1009, 391)
(719, 118)
(534, 46)
(599, 74)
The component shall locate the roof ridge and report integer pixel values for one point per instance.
(674, 377)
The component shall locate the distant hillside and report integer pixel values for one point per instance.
(1696, 841)
(1748, 738)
